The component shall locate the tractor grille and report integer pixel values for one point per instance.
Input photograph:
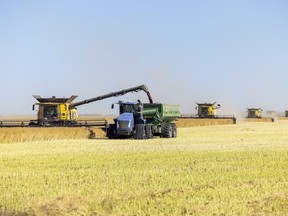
(123, 124)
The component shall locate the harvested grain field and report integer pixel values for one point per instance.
(215, 170)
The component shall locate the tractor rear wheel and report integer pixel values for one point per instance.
(149, 132)
(140, 131)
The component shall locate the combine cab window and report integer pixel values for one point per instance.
(51, 112)
(203, 111)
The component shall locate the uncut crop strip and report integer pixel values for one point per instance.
(194, 122)
(12, 135)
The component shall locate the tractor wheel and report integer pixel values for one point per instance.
(166, 130)
(149, 132)
(111, 131)
(140, 131)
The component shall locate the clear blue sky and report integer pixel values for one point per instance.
(232, 52)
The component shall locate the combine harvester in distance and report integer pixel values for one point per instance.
(255, 115)
(206, 115)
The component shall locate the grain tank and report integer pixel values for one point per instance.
(143, 121)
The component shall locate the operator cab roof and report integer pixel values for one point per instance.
(53, 99)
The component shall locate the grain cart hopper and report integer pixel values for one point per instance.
(143, 121)
(62, 111)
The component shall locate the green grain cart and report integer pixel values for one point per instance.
(143, 121)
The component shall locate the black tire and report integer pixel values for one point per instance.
(174, 130)
(166, 130)
(42, 123)
(32, 123)
(140, 131)
(111, 131)
(149, 132)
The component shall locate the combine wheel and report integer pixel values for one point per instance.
(140, 131)
(42, 123)
(149, 132)
(166, 130)
(32, 123)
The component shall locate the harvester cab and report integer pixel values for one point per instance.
(254, 112)
(207, 110)
(55, 111)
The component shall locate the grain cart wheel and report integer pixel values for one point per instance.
(174, 130)
(140, 131)
(149, 132)
(166, 130)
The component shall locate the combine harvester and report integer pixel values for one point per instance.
(62, 112)
(206, 115)
(284, 116)
(143, 121)
(255, 115)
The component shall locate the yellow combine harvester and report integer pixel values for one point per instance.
(206, 115)
(62, 111)
(255, 114)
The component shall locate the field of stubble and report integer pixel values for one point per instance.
(237, 169)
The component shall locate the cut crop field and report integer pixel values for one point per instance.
(237, 169)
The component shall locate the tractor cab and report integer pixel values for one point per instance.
(130, 113)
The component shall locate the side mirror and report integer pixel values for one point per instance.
(112, 106)
(33, 107)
